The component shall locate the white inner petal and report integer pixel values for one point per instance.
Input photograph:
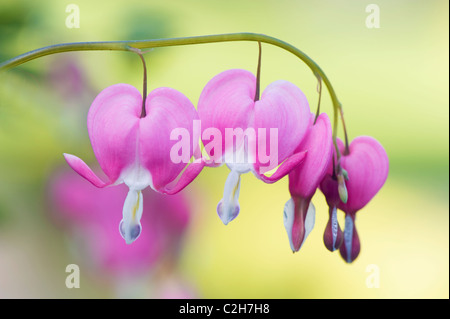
(228, 207)
(241, 160)
(348, 236)
(137, 177)
(310, 220)
(288, 220)
(334, 226)
(130, 226)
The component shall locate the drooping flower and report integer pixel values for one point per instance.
(242, 130)
(135, 150)
(299, 212)
(367, 167)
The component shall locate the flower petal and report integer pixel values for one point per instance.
(228, 207)
(283, 107)
(332, 236)
(187, 176)
(351, 246)
(113, 124)
(84, 171)
(167, 110)
(367, 166)
(227, 102)
(299, 218)
(305, 178)
(130, 226)
(284, 169)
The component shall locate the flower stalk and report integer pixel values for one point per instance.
(319, 90)
(258, 73)
(155, 43)
(144, 89)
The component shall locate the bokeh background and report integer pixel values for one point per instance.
(392, 81)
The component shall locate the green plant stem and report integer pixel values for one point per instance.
(319, 90)
(144, 89)
(258, 73)
(144, 44)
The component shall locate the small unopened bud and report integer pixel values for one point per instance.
(342, 189)
(345, 174)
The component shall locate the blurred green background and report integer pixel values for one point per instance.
(392, 81)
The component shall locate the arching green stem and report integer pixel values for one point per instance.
(143, 44)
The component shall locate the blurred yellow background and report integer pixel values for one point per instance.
(392, 81)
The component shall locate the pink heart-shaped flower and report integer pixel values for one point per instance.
(137, 151)
(270, 128)
(367, 167)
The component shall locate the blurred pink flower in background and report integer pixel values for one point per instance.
(68, 78)
(92, 215)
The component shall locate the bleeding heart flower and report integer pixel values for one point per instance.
(367, 167)
(299, 211)
(277, 122)
(135, 150)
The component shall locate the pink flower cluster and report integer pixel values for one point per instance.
(136, 150)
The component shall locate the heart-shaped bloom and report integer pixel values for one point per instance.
(135, 150)
(248, 135)
(299, 211)
(367, 167)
